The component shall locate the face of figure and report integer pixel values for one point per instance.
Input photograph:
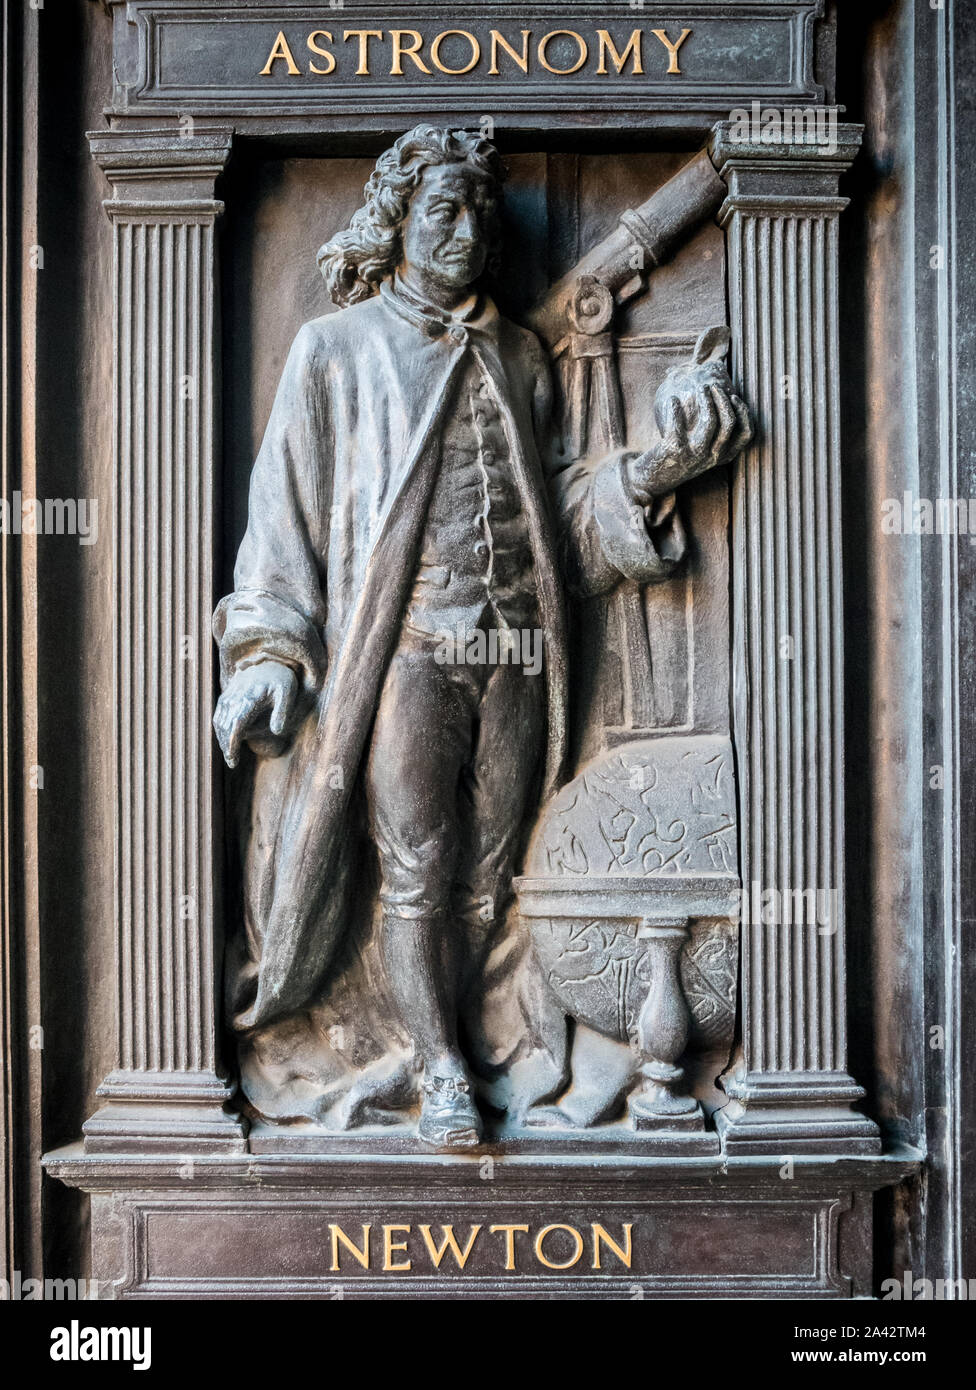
(447, 230)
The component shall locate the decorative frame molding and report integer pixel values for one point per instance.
(790, 1091)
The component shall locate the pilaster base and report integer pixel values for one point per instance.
(791, 1113)
(148, 1112)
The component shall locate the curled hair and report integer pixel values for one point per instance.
(356, 261)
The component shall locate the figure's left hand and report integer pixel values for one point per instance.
(718, 430)
(703, 423)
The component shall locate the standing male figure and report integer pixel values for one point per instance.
(408, 487)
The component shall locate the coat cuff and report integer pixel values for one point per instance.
(643, 547)
(253, 625)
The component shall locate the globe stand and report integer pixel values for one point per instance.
(662, 1035)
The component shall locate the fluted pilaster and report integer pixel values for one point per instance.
(789, 1087)
(167, 1088)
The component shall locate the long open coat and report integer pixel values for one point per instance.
(338, 502)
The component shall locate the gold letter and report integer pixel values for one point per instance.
(361, 1255)
(280, 50)
(522, 59)
(390, 1245)
(544, 44)
(400, 51)
(551, 1264)
(671, 47)
(330, 59)
(608, 47)
(449, 1243)
(364, 36)
(509, 1242)
(435, 50)
(600, 1234)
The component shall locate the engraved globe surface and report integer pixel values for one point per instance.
(645, 832)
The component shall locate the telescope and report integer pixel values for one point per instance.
(574, 319)
(643, 238)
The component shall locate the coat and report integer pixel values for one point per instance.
(338, 501)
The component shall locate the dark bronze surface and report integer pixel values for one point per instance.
(125, 915)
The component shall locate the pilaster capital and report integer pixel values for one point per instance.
(790, 168)
(169, 172)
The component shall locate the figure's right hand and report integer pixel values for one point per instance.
(250, 693)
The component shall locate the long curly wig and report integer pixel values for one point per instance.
(355, 262)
